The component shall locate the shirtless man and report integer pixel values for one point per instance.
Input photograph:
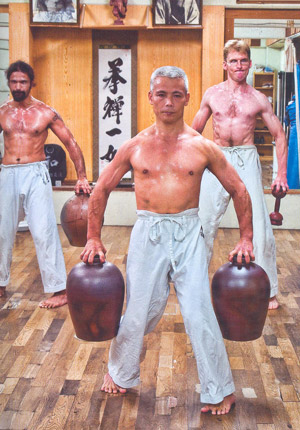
(235, 105)
(167, 244)
(25, 186)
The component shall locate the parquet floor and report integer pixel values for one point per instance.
(50, 380)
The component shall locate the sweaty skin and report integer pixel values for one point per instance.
(168, 160)
(235, 106)
(25, 122)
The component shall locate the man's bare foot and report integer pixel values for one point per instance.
(273, 303)
(221, 408)
(110, 387)
(58, 299)
(2, 291)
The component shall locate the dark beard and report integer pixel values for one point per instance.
(19, 96)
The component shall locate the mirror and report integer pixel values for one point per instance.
(267, 40)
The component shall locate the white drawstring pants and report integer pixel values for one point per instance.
(25, 190)
(214, 200)
(163, 248)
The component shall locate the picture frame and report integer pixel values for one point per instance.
(174, 13)
(54, 12)
(267, 1)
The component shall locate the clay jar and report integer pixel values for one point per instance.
(240, 294)
(95, 295)
(73, 219)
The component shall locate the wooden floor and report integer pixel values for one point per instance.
(50, 380)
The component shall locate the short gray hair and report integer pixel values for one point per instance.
(169, 72)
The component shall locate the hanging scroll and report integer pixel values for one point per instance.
(114, 101)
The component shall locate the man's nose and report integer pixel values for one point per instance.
(169, 101)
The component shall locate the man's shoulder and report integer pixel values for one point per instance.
(201, 142)
(147, 133)
(216, 87)
(41, 105)
(132, 143)
(48, 112)
(214, 91)
(4, 106)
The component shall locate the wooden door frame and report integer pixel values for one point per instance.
(232, 14)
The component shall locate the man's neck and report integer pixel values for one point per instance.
(24, 104)
(169, 129)
(236, 86)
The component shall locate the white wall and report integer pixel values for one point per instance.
(266, 56)
(121, 209)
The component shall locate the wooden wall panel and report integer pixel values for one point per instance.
(63, 66)
(158, 48)
(213, 42)
(20, 38)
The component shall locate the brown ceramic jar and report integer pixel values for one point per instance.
(73, 219)
(240, 296)
(95, 295)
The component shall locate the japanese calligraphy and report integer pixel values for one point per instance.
(113, 107)
(110, 154)
(114, 101)
(115, 78)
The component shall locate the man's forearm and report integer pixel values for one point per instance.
(243, 209)
(97, 205)
(78, 161)
(281, 153)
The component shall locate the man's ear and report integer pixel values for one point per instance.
(187, 99)
(224, 65)
(150, 97)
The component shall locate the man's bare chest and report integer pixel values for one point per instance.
(230, 106)
(23, 122)
(175, 164)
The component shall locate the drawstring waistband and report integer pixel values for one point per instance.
(177, 221)
(40, 166)
(155, 230)
(236, 152)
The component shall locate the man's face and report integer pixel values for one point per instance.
(237, 65)
(19, 85)
(168, 98)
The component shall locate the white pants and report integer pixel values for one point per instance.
(214, 200)
(165, 248)
(25, 190)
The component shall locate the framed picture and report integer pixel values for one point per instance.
(177, 12)
(54, 12)
(267, 1)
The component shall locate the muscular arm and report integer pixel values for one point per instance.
(107, 181)
(275, 128)
(203, 114)
(231, 181)
(64, 134)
